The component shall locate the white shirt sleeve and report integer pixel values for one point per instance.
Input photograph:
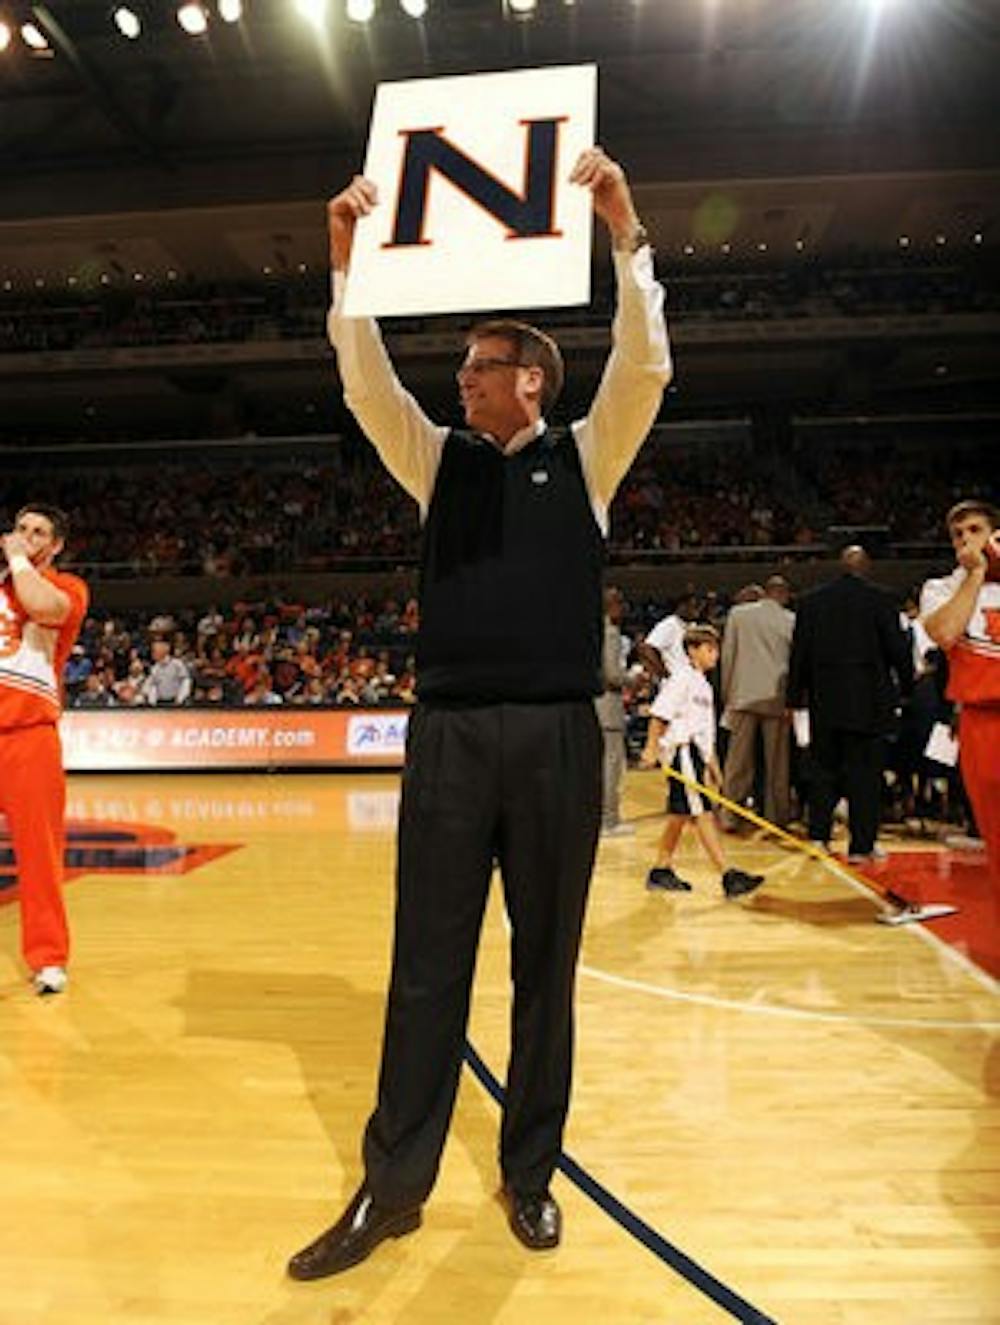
(631, 388)
(669, 699)
(667, 636)
(408, 443)
(936, 593)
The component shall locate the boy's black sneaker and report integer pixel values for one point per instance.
(664, 879)
(737, 883)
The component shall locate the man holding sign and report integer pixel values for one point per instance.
(504, 753)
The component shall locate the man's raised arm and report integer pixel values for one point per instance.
(408, 443)
(639, 366)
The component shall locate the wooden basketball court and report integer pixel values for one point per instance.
(802, 1102)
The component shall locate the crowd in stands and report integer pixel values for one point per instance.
(356, 653)
(290, 306)
(231, 511)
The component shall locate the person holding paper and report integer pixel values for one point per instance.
(850, 663)
(503, 761)
(961, 613)
(41, 610)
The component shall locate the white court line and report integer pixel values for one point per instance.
(775, 1010)
(941, 945)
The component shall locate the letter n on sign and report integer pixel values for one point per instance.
(475, 208)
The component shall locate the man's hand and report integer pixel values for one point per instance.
(359, 199)
(648, 760)
(606, 180)
(971, 555)
(14, 545)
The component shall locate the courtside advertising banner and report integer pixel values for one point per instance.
(475, 206)
(110, 740)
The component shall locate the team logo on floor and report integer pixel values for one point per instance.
(102, 847)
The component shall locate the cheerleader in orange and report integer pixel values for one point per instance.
(41, 610)
(961, 613)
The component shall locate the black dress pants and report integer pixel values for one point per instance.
(519, 784)
(845, 763)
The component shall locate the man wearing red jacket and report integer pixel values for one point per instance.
(961, 613)
(41, 610)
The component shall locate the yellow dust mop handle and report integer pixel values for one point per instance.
(806, 848)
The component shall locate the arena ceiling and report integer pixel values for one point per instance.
(828, 122)
(807, 126)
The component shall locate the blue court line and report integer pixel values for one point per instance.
(695, 1274)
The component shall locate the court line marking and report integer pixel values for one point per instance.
(776, 1010)
(859, 882)
(940, 945)
(696, 1275)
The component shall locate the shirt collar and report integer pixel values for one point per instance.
(520, 440)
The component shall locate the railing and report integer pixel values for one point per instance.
(144, 568)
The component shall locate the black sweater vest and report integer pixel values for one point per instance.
(510, 585)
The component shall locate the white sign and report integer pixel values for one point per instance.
(376, 733)
(942, 746)
(475, 206)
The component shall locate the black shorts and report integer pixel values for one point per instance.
(681, 799)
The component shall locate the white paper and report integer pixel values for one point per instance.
(467, 259)
(942, 746)
(800, 727)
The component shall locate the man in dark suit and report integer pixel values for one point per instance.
(850, 662)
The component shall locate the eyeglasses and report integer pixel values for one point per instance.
(483, 364)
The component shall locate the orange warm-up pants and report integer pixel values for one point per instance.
(979, 751)
(33, 799)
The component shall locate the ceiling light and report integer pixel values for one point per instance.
(230, 11)
(5, 36)
(415, 8)
(34, 37)
(193, 19)
(360, 11)
(522, 6)
(127, 21)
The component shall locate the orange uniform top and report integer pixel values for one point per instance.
(32, 656)
(974, 661)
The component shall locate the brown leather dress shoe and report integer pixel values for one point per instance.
(534, 1217)
(354, 1236)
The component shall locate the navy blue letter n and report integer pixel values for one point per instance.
(525, 216)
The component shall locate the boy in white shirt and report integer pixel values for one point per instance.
(681, 736)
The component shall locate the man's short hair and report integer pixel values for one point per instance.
(972, 506)
(55, 515)
(700, 633)
(532, 349)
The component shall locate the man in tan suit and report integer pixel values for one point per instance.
(755, 651)
(611, 715)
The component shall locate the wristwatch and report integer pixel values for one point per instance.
(637, 237)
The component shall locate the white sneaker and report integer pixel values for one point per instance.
(50, 980)
(963, 842)
(620, 829)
